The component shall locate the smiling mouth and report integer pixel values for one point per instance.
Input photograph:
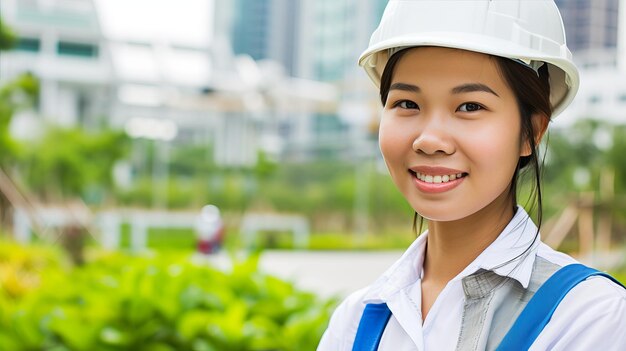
(437, 179)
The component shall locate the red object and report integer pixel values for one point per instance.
(212, 246)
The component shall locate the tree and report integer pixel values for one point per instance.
(7, 37)
(18, 93)
(71, 162)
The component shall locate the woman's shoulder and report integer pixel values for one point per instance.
(595, 285)
(597, 295)
(353, 304)
(344, 322)
(592, 316)
(594, 311)
(555, 257)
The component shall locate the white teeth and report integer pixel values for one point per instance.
(438, 178)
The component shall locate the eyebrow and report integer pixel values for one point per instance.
(473, 87)
(465, 88)
(405, 87)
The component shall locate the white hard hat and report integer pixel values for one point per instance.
(530, 31)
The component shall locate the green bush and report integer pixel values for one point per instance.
(315, 189)
(120, 302)
(67, 162)
(342, 241)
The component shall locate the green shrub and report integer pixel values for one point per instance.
(342, 241)
(120, 302)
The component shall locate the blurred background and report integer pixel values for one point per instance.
(148, 143)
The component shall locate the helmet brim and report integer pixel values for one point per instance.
(564, 78)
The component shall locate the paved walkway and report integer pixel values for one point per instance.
(326, 273)
(329, 273)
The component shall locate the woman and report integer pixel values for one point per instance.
(468, 89)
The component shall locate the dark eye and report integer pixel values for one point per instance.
(470, 107)
(407, 104)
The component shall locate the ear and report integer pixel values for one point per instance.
(540, 126)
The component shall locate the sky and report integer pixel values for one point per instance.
(184, 22)
(177, 31)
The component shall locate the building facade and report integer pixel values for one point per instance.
(596, 34)
(314, 39)
(592, 30)
(61, 44)
(267, 30)
(96, 69)
(99, 66)
(318, 40)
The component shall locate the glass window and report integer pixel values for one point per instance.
(67, 48)
(28, 44)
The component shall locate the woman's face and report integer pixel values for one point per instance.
(450, 132)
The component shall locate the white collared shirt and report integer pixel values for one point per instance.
(591, 317)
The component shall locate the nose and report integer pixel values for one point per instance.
(434, 137)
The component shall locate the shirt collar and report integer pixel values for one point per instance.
(513, 252)
(404, 272)
(507, 256)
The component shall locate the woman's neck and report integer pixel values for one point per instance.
(452, 246)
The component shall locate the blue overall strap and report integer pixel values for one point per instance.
(541, 306)
(371, 327)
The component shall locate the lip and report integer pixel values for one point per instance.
(434, 188)
(431, 170)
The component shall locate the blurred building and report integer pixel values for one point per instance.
(339, 32)
(318, 40)
(314, 39)
(61, 43)
(590, 24)
(592, 30)
(335, 36)
(151, 67)
(267, 29)
(596, 34)
(99, 67)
